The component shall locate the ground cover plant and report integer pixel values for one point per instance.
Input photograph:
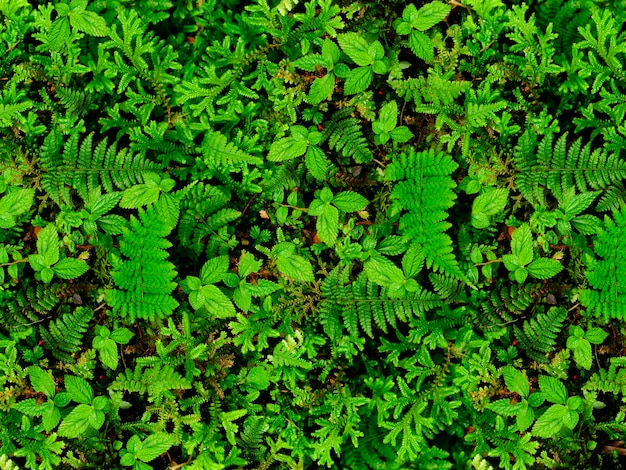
(296, 234)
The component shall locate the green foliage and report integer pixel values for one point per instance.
(145, 280)
(424, 189)
(312, 233)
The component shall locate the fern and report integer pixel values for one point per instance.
(145, 278)
(344, 134)
(538, 336)
(612, 380)
(607, 296)
(559, 168)
(158, 382)
(203, 214)
(503, 305)
(24, 306)
(64, 336)
(424, 190)
(7, 464)
(218, 152)
(69, 165)
(363, 305)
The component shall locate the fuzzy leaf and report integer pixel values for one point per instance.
(522, 245)
(42, 381)
(553, 389)
(356, 47)
(422, 46)
(515, 381)
(296, 267)
(429, 15)
(70, 268)
(358, 80)
(287, 148)
(321, 89)
(76, 423)
(139, 195)
(214, 270)
(544, 268)
(317, 163)
(153, 446)
(78, 389)
(327, 225)
(551, 422)
(349, 201)
(487, 205)
(48, 244)
(596, 335)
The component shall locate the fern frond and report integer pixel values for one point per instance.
(64, 336)
(538, 336)
(424, 189)
(145, 280)
(217, 151)
(81, 167)
(7, 464)
(558, 168)
(611, 380)
(363, 304)
(345, 134)
(607, 277)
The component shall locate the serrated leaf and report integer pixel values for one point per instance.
(522, 244)
(504, 407)
(327, 225)
(296, 267)
(317, 163)
(108, 353)
(248, 265)
(401, 134)
(488, 204)
(596, 335)
(17, 202)
(349, 201)
(78, 389)
(358, 80)
(356, 47)
(139, 195)
(544, 268)
(413, 260)
(42, 381)
(287, 148)
(551, 422)
(429, 15)
(384, 272)
(75, 423)
(553, 389)
(525, 417)
(579, 203)
(217, 303)
(153, 446)
(121, 335)
(330, 51)
(48, 244)
(89, 22)
(70, 268)
(422, 46)
(58, 34)
(321, 89)
(515, 381)
(214, 269)
(582, 352)
(388, 116)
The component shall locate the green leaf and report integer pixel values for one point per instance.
(553, 389)
(579, 203)
(596, 335)
(217, 303)
(96, 419)
(551, 422)
(76, 423)
(429, 15)
(401, 134)
(422, 46)
(89, 22)
(515, 381)
(121, 335)
(78, 389)
(582, 351)
(384, 272)
(17, 202)
(70, 268)
(349, 201)
(327, 225)
(214, 269)
(248, 265)
(48, 244)
(544, 268)
(522, 244)
(108, 352)
(520, 275)
(139, 195)
(330, 51)
(153, 446)
(59, 34)
(388, 116)
(488, 204)
(358, 80)
(525, 417)
(317, 163)
(7, 220)
(50, 417)
(296, 267)
(504, 407)
(356, 47)
(46, 275)
(42, 381)
(287, 148)
(413, 260)
(321, 89)
(259, 378)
